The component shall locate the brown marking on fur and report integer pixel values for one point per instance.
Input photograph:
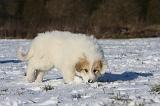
(82, 64)
(98, 65)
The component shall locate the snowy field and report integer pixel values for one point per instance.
(134, 68)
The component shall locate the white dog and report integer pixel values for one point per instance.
(72, 54)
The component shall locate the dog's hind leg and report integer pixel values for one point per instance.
(39, 76)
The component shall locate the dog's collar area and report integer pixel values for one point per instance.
(78, 76)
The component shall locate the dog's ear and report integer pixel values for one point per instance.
(78, 67)
(98, 65)
(81, 64)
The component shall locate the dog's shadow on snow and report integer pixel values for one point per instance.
(9, 61)
(126, 76)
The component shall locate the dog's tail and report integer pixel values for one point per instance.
(21, 55)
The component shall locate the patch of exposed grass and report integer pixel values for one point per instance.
(48, 87)
(141, 104)
(76, 96)
(4, 90)
(156, 89)
(120, 97)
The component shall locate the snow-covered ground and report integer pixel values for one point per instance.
(134, 67)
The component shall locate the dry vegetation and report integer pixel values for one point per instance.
(103, 18)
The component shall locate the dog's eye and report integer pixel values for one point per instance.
(95, 71)
(86, 70)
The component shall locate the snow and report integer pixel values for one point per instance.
(133, 68)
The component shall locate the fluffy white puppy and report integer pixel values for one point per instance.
(72, 54)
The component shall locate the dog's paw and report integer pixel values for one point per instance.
(29, 80)
(38, 81)
(78, 80)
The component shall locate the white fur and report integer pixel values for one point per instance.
(61, 50)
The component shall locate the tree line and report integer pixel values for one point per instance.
(103, 18)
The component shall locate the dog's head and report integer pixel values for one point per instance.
(89, 71)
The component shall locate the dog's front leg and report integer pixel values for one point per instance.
(39, 76)
(68, 75)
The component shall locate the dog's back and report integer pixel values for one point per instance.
(67, 45)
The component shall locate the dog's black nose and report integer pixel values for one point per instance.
(90, 81)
